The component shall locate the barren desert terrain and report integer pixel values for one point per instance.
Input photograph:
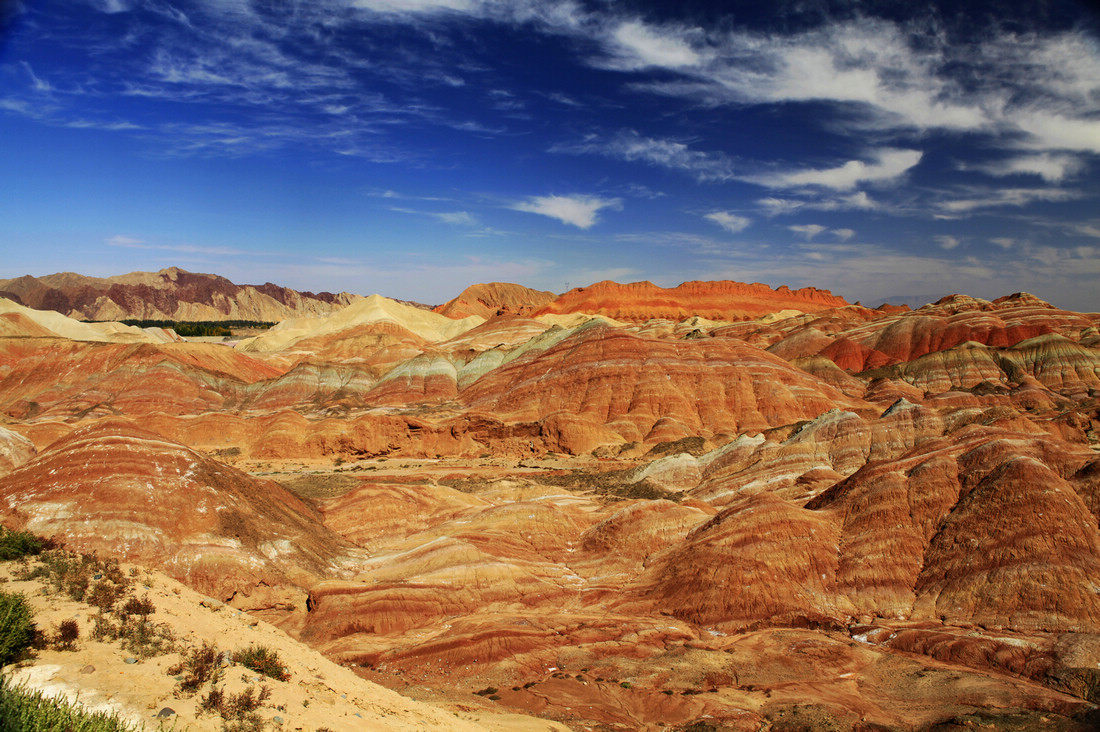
(712, 507)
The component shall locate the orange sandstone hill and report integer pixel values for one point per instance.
(170, 294)
(721, 300)
(495, 298)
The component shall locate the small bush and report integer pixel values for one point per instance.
(17, 630)
(138, 634)
(19, 544)
(21, 709)
(263, 661)
(134, 606)
(214, 701)
(198, 666)
(104, 595)
(68, 633)
(238, 711)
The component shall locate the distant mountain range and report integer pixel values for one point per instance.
(176, 294)
(170, 294)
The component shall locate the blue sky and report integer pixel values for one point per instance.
(886, 151)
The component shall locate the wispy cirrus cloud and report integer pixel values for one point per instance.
(1051, 167)
(807, 231)
(858, 201)
(575, 210)
(129, 242)
(674, 155)
(947, 242)
(731, 222)
(458, 218)
(966, 201)
(885, 165)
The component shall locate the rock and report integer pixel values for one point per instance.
(166, 712)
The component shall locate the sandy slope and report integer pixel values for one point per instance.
(319, 693)
(58, 324)
(424, 323)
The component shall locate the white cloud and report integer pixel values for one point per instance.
(729, 221)
(575, 210)
(672, 154)
(947, 242)
(118, 240)
(419, 6)
(843, 234)
(457, 217)
(1003, 242)
(637, 45)
(995, 198)
(129, 242)
(888, 164)
(1051, 167)
(461, 218)
(779, 206)
(809, 231)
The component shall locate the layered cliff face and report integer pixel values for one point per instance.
(609, 520)
(170, 294)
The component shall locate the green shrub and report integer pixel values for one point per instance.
(23, 711)
(263, 661)
(17, 631)
(19, 544)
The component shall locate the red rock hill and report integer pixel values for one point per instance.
(721, 300)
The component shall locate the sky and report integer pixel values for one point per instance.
(887, 151)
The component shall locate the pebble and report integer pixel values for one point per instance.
(88, 669)
(130, 660)
(165, 713)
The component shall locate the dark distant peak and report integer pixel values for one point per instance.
(287, 296)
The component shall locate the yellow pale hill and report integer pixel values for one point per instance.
(430, 326)
(574, 320)
(38, 323)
